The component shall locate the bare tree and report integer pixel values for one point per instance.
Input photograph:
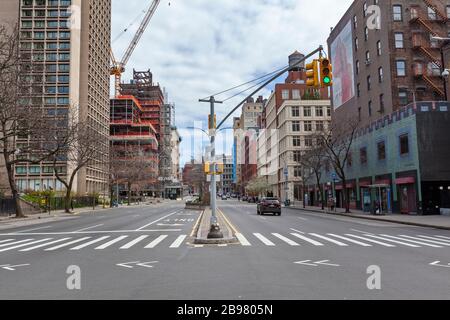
(337, 142)
(27, 133)
(82, 147)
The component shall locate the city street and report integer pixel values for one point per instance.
(147, 252)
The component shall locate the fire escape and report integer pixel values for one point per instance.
(431, 22)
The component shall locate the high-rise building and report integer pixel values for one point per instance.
(67, 42)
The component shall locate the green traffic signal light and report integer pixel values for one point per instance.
(326, 80)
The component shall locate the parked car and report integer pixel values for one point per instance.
(244, 198)
(269, 205)
(251, 200)
(224, 197)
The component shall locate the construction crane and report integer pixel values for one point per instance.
(118, 67)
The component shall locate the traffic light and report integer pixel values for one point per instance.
(326, 73)
(312, 74)
(209, 122)
(207, 168)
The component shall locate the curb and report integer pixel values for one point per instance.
(228, 225)
(417, 224)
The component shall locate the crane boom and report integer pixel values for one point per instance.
(140, 32)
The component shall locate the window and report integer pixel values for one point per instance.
(401, 68)
(355, 22)
(328, 111)
(349, 160)
(35, 170)
(308, 142)
(295, 126)
(367, 56)
(297, 156)
(366, 33)
(381, 103)
(432, 14)
(356, 44)
(308, 126)
(448, 12)
(363, 155)
(285, 94)
(319, 112)
(403, 97)
(381, 147)
(307, 112)
(296, 142)
(296, 94)
(358, 90)
(399, 40)
(369, 106)
(380, 74)
(404, 144)
(369, 83)
(365, 9)
(296, 111)
(357, 66)
(297, 172)
(379, 48)
(21, 170)
(397, 13)
(319, 126)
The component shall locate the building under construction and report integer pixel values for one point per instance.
(157, 112)
(134, 146)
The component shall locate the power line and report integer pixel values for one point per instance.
(247, 89)
(248, 82)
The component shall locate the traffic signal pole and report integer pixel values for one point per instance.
(214, 231)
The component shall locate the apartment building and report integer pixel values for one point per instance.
(68, 43)
(291, 116)
(225, 186)
(383, 63)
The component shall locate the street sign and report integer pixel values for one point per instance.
(334, 176)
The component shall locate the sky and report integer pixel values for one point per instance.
(196, 48)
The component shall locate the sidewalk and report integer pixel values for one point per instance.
(437, 221)
(204, 228)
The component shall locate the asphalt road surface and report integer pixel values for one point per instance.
(147, 253)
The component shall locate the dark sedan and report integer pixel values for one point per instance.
(269, 205)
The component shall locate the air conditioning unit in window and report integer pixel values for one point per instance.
(368, 61)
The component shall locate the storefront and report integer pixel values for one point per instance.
(365, 199)
(407, 198)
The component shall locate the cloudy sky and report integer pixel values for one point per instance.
(196, 48)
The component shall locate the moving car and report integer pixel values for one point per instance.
(269, 205)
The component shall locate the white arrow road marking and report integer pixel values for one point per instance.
(436, 263)
(170, 225)
(26, 244)
(11, 268)
(317, 263)
(158, 220)
(136, 263)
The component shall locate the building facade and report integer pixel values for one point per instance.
(67, 43)
(226, 179)
(382, 63)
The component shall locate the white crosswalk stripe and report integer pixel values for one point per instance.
(350, 240)
(394, 241)
(371, 240)
(16, 242)
(177, 243)
(314, 242)
(67, 244)
(413, 241)
(110, 243)
(341, 244)
(24, 244)
(443, 237)
(244, 242)
(264, 240)
(437, 239)
(426, 240)
(44, 245)
(132, 243)
(87, 244)
(2, 241)
(287, 240)
(155, 242)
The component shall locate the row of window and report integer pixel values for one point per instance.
(51, 57)
(41, 35)
(38, 170)
(43, 46)
(309, 111)
(42, 24)
(38, 184)
(381, 151)
(53, 3)
(308, 126)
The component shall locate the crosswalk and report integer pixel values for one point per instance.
(345, 240)
(73, 243)
(122, 242)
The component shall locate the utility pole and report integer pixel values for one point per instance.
(214, 232)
